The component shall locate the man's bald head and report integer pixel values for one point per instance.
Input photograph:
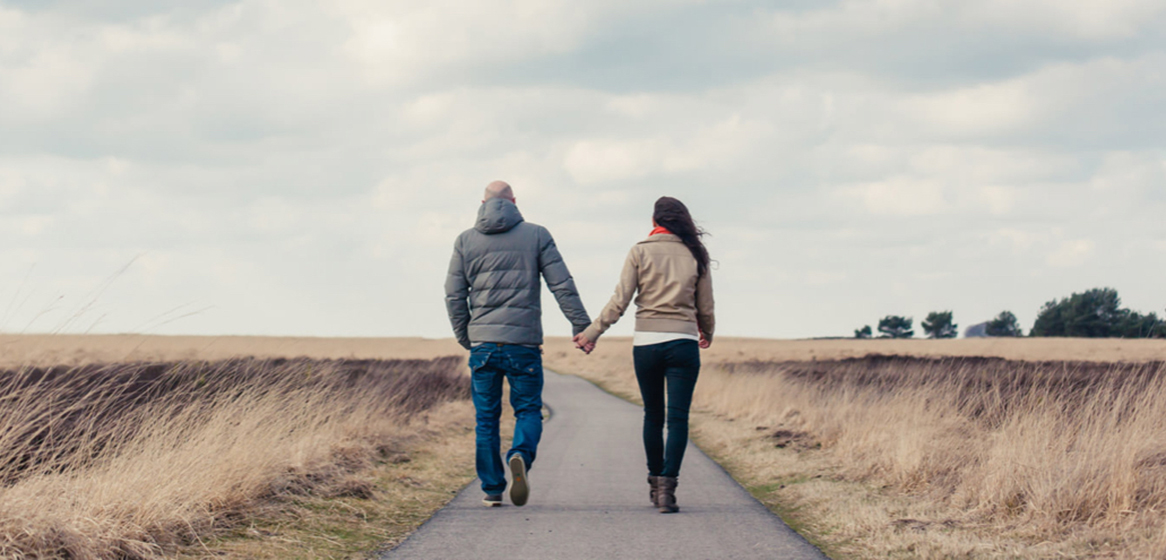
(499, 189)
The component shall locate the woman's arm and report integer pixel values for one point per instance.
(628, 281)
(705, 307)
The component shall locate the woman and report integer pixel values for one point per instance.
(674, 318)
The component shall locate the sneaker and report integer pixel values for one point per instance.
(492, 500)
(520, 486)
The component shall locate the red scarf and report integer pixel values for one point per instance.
(659, 230)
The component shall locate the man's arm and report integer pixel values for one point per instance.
(457, 293)
(559, 281)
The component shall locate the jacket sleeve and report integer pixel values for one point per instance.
(629, 280)
(457, 292)
(561, 284)
(705, 308)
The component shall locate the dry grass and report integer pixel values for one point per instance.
(134, 460)
(372, 511)
(18, 350)
(939, 458)
(51, 350)
(728, 349)
(896, 459)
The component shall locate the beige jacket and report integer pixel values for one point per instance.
(670, 296)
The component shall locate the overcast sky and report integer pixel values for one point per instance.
(302, 168)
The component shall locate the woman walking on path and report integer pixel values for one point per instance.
(669, 275)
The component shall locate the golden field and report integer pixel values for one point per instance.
(18, 350)
(1053, 449)
(729, 349)
(78, 349)
(1046, 449)
(146, 447)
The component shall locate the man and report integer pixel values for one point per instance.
(492, 294)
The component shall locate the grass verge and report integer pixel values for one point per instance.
(938, 458)
(146, 460)
(375, 513)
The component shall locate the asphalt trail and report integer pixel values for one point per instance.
(589, 499)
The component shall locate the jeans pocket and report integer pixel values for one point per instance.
(526, 361)
(478, 358)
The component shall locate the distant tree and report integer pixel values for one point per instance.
(864, 332)
(895, 326)
(938, 324)
(1005, 324)
(1096, 313)
(1136, 325)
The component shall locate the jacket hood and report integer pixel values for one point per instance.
(497, 215)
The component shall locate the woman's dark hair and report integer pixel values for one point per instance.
(673, 215)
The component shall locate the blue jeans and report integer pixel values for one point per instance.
(523, 369)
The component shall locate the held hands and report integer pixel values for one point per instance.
(583, 344)
(704, 342)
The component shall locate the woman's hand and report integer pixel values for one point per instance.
(583, 344)
(704, 342)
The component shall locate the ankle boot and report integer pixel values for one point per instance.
(666, 494)
(653, 482)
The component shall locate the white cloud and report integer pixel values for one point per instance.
(297, 166)
(1124, 173)
(397, 40)
(1088, 19)
(694, 148)
(1000, 199)
(992, 108)
(590, 161)
(1072, 253)
(1092, 20)
(823, 277)
(48, 82)
(900, 196)
(1018, 240)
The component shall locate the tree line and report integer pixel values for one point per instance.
(1095, 313)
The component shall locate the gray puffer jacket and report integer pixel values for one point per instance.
(493, 290)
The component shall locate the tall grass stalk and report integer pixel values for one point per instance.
(132, 460)
(1051, 446)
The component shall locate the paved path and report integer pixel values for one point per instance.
(589, 499)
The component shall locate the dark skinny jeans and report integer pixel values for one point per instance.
(667, 368)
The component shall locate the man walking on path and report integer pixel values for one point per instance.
(492, 293)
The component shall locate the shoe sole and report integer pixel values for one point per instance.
(519, 487)
(491, 503)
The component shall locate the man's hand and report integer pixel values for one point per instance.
(583, 344)
(704, 343)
